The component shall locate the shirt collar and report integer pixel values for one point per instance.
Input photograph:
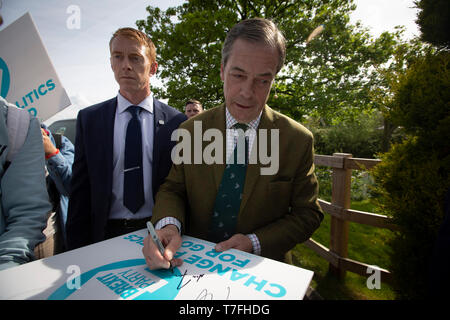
(231, 121)
(123, 103)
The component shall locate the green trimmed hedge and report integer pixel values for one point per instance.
(413, 178)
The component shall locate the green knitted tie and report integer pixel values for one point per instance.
(229, 196)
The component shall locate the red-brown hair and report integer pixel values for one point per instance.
(140, 37)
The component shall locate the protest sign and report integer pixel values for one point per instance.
(27, 76)
(116, 269)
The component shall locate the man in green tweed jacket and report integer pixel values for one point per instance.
(278, 208)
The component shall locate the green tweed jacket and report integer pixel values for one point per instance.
(281, 208)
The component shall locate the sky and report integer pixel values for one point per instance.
(80, 52)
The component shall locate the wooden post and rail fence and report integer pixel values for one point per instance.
(342, 165)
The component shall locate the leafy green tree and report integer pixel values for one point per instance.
(383, 96)
(434, 21)
(331, 76)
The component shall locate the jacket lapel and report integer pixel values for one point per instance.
(254, 170)
(109, 112)
(218, 122)
(160, 118)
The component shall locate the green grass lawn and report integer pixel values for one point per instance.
(365, 244)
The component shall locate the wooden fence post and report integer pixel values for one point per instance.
(341, 189)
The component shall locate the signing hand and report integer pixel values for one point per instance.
(171, 240)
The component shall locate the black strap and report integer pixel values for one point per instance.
(58, 140)
(53, 193)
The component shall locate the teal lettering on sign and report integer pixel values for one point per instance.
(34, 95)
(220, 263)
(4, 78)
(114, 282)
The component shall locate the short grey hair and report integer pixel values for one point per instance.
(256, 30)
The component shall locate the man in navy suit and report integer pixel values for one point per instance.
(97, 210)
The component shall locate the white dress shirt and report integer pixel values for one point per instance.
(118, 211)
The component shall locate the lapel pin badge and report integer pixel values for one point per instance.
(161, 122)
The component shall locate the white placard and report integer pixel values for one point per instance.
(115, 269)
(27, 76)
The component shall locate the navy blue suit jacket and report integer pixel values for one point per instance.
(92, 171)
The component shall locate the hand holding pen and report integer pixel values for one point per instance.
(160, 247)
